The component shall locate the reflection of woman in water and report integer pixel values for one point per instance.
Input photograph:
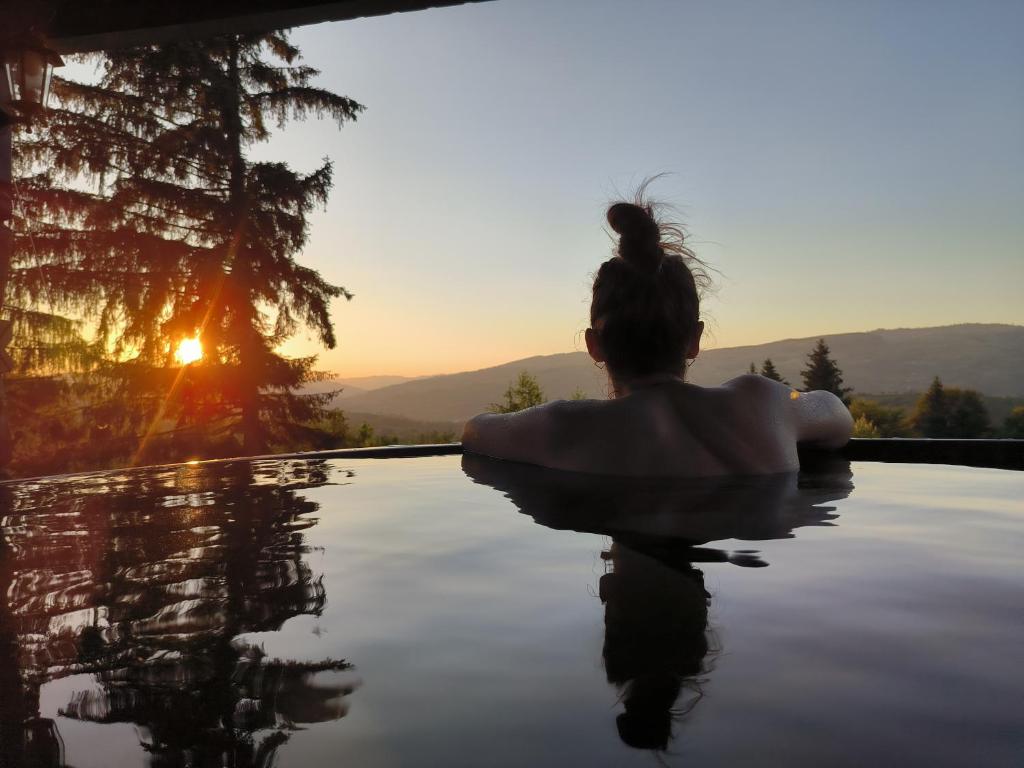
(644, 327)
(656, 647)
(655, 642)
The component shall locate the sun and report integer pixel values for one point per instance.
(189, 350)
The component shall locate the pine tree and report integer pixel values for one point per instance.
(968, 417)
(524, 393)
(42, 338)
(822, 373)
(950, 412)
(46, 344)
(183, 234)
(752, 369)
(931, 413)
(769, 372)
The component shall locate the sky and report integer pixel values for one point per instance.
(844, 167)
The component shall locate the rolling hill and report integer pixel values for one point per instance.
(352, 387)
(988, 358)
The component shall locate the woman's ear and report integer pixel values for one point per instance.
(694, 348)
(594, 345)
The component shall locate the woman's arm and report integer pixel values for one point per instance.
(816, 417)
(521, 436)
(821, 419)
(551, 435)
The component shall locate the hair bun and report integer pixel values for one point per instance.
(630, 220)
(639, 234)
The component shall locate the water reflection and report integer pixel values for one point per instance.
(658, 644)
(128, 593)
(655, 642)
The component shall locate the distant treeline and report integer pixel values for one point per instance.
(941, 412)
(1004, 413)
(365, 430)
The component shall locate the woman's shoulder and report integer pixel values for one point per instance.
(756, 384)
(738, 395)
(535, 434)
(815, 416)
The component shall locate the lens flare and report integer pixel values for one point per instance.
(189, 351)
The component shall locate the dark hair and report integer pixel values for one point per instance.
(646, 298)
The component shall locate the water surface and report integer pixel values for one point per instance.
(435, 611)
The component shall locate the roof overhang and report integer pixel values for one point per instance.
(79, 27)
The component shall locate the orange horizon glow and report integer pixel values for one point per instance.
(189, 351)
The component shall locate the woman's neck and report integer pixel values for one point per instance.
(629, 386)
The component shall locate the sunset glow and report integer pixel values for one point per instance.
(743, 156)
(189, 351)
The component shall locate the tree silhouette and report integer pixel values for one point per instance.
(968, 417)
(46, 343)
(950, 412)
(769, 372)
(822, 373)
(524, 392)
(181, 233)
(932, 411)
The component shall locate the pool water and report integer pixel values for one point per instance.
(459, 611)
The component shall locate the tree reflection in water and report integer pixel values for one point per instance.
(657, 639)
(144, 581)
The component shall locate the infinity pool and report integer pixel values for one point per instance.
(464, 612)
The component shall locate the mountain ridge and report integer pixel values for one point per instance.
(988, 357)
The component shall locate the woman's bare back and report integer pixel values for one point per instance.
(749, 425)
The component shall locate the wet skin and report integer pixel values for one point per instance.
(669, 428)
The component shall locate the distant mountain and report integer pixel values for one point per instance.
(458, 396)
(368, 383)
(988, 358)
(358, 385)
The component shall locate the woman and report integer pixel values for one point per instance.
(644, 327)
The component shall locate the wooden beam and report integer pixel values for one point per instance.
(73, 26)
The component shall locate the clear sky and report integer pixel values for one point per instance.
(846, 166)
